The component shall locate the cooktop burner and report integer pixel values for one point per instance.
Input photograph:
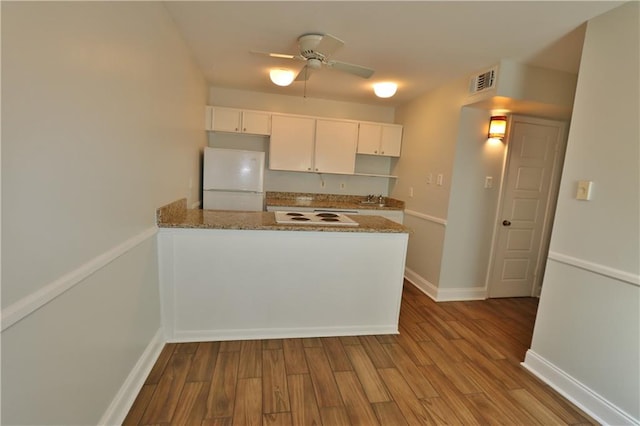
(312, 218)
(326, 214)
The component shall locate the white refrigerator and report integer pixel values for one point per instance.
(233, 179)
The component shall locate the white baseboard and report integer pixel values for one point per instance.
(459, 294)
(122, 402)
(275, 333)
(421, 283)
(589, 401)
(444, 294)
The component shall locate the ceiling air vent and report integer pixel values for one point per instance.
(483, 81)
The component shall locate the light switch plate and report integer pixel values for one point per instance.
(584, 190)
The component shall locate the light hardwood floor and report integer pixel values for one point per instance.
(452, 363)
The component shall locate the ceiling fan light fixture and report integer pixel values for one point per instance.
(314, 63)
(385, 89)
(281, 76)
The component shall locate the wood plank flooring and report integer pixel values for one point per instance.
(452, 363)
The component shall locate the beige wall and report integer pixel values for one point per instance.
(445, 133)
(588, 324)
(431, 125)
(472, 207)
(102, 112)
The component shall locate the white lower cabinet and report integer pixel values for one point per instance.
(307, 144)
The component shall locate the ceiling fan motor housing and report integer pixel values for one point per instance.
(308, 44)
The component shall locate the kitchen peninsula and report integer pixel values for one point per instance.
(241, 275)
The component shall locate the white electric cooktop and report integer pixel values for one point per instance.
(313, 218)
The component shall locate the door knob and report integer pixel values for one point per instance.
(506, 223)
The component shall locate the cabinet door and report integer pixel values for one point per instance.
(256, 122)
(226, 119)
(369, 136)
(291, 144)
(391, 140)
(335, 150)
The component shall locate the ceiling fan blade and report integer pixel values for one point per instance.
(328, 45)
(277, 55)
(304, 74)
(358, 70)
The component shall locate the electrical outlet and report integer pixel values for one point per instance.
(411, 191)
(322, 184)
(488, 182)
(429, 178)
(439, 179)
(343, 185)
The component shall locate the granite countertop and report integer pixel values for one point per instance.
(176, 215)
(329, 201)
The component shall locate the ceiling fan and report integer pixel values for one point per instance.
(315, 50)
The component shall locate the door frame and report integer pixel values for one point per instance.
(552, 199)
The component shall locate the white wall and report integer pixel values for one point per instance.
(445, 133)
(588, 324)
(306, 182)
(431, 125)
(102, 112)
(472, 207)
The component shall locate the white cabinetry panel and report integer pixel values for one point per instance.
(229, 285)
(305, 144)
(234, 120)
(380, 139)
(291, 145)
(335, 150)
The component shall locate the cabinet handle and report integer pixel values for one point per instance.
(381, 152)
(244, 130)
(237, 129)
(316, 169)
(308, 168)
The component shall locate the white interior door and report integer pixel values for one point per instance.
(535, 153)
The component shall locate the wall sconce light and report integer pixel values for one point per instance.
(497, 127)
(281, 77)
(385, 90)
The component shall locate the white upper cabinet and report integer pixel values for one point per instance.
(335, 150)
(307, 144)
(233, 120)
(292, 142)
(380, 139)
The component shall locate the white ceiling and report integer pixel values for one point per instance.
(418, 44)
